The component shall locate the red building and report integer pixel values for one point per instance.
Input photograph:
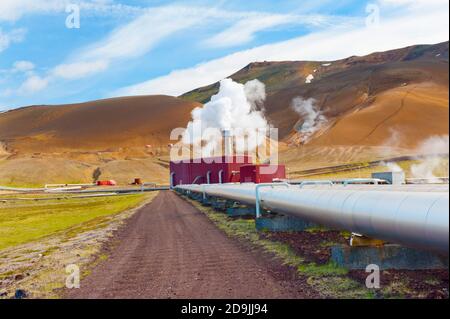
(264, 173)
(225, 169)
(212, 170)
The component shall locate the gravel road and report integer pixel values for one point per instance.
(169, 249)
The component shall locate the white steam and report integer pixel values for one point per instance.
(232, 108)
(312, 118)
(393, 167)
(309, 78)
(255, 91)
(434, 147)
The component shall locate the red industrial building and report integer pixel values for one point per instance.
(225, 169)
(264, 173)
(210, 170)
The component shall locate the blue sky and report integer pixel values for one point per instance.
(168, 47)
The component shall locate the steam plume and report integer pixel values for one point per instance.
(255, 92)
(232, 108)
(434, 147)
(312, 118)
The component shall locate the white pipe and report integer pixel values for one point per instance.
(172, 181)
(220, 176)
(208, 177)
(257, 197)
(196, 179)
(376, 181)
(326, 182)
(62, 189)
(418, 219)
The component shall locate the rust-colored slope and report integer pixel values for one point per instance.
(403, 116)
(98, 125)
(339, 94)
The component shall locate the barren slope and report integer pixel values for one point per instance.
(99, 125)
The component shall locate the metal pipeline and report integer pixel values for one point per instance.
(220, 176)
(325, 182)
(172, 182)
(196, 179)
(418, 219)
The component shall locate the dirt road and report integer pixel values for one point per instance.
(171, 250)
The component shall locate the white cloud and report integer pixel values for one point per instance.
(413, 3)
(78, 70)
(129, 41)
(13, 10)
(7, 38)
(33, 84)
(23, 66)
(132, 40)
(142, 34)
(245, 29)
(6, 92)
(409, 28)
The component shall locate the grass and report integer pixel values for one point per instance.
(10, 183)
(22, 222)
(320, 277)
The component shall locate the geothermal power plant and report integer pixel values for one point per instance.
(384, 208)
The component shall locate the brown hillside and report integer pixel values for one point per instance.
(123, 138)
(109, 124)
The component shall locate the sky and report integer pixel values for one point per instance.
(70, 51)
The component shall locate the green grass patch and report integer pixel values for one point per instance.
(316, 229)
(22, 222)
(322, 270)
(11, 183)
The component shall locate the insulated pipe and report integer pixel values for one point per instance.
(315, 183)
(257, 197)
(196, 179)
(172, 181)
(151, 183)
(416, 219)
(220, 176)
(363, 180)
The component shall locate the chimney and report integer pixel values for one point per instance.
(228, 142)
